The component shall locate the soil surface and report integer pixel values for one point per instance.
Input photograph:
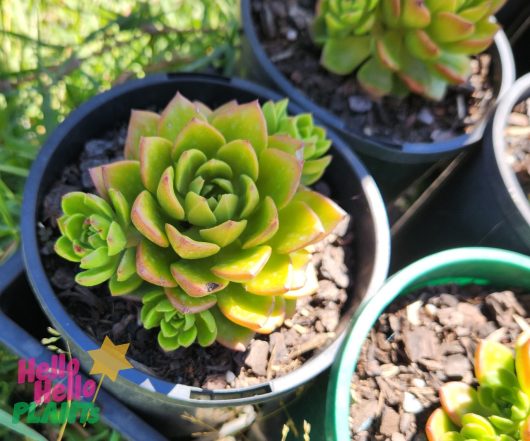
(420, 342)
(215, 367)
(518, 143)
(283, 27)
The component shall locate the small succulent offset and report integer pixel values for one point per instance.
(215, 221)
(399, 46)
(499, 409)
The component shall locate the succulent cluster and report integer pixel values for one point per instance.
(404, 45)
(499, 409)
(210, 214)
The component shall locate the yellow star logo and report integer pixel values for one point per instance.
(110, 359)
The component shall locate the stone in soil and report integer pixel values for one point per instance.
(427, 351)
(413, 119)
(215, 367)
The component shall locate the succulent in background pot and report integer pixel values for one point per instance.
(183, 196)
(385, 48)
(465, 275)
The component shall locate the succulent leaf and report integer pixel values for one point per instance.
(142, 123)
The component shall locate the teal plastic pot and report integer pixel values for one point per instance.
(484, 266)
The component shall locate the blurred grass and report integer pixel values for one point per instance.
(55, 54)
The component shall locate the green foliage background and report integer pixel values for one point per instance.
(55, 54)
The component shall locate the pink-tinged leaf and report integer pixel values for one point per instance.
(142, 123)
(189, 305)
(64, 248)
(95, 204)
(310, 287)
(188, 248)
(187, 166)
(155, 157)
(471, 46)
(79, 249)
(457, 399)
(522, 361)
(448, 27)
(198, 212)
(195, 277)
(203, 108)
(97, 276)
(148, 220)
(329, 213)
(167, 197)
(99, 224)
(199, 135)
(152, 264)
(299, 227)
(243, 308)
(262, 225)
(343, 55)
(415, 14)
(179, 112)
(273, 279)
(455, 68)
(225, 233)
(438, 425)
(74, 203)
(128, 286)
(225, 107)
(314, 169)
(229, 334)
(242, 265)
(276, 317)
(121, 207)
(420, 45)
(287, 144)
(96, 175)
(279, 177)
(245, 122)
(127, 267)
(375, 78)
(299, 262)
(249, 196)
(123, 176)
(116, 239)
(490, 357)
(95, 259)
(241, 158)
(389, 48)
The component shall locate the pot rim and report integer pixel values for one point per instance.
(162, 389)
(410, 278)
(423, 149)
(519, 92)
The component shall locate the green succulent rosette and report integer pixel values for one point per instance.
(499, 409)
(398, 46)
(222, 219)
(98, 236)
(178, 327)
(315, 143)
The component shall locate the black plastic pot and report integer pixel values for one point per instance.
(351, 185)
(394, 167)
(479, 203)
(17, 304)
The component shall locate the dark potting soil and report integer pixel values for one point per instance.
(419, 343)
(215, 367)
(283, 27)
(518, 143)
